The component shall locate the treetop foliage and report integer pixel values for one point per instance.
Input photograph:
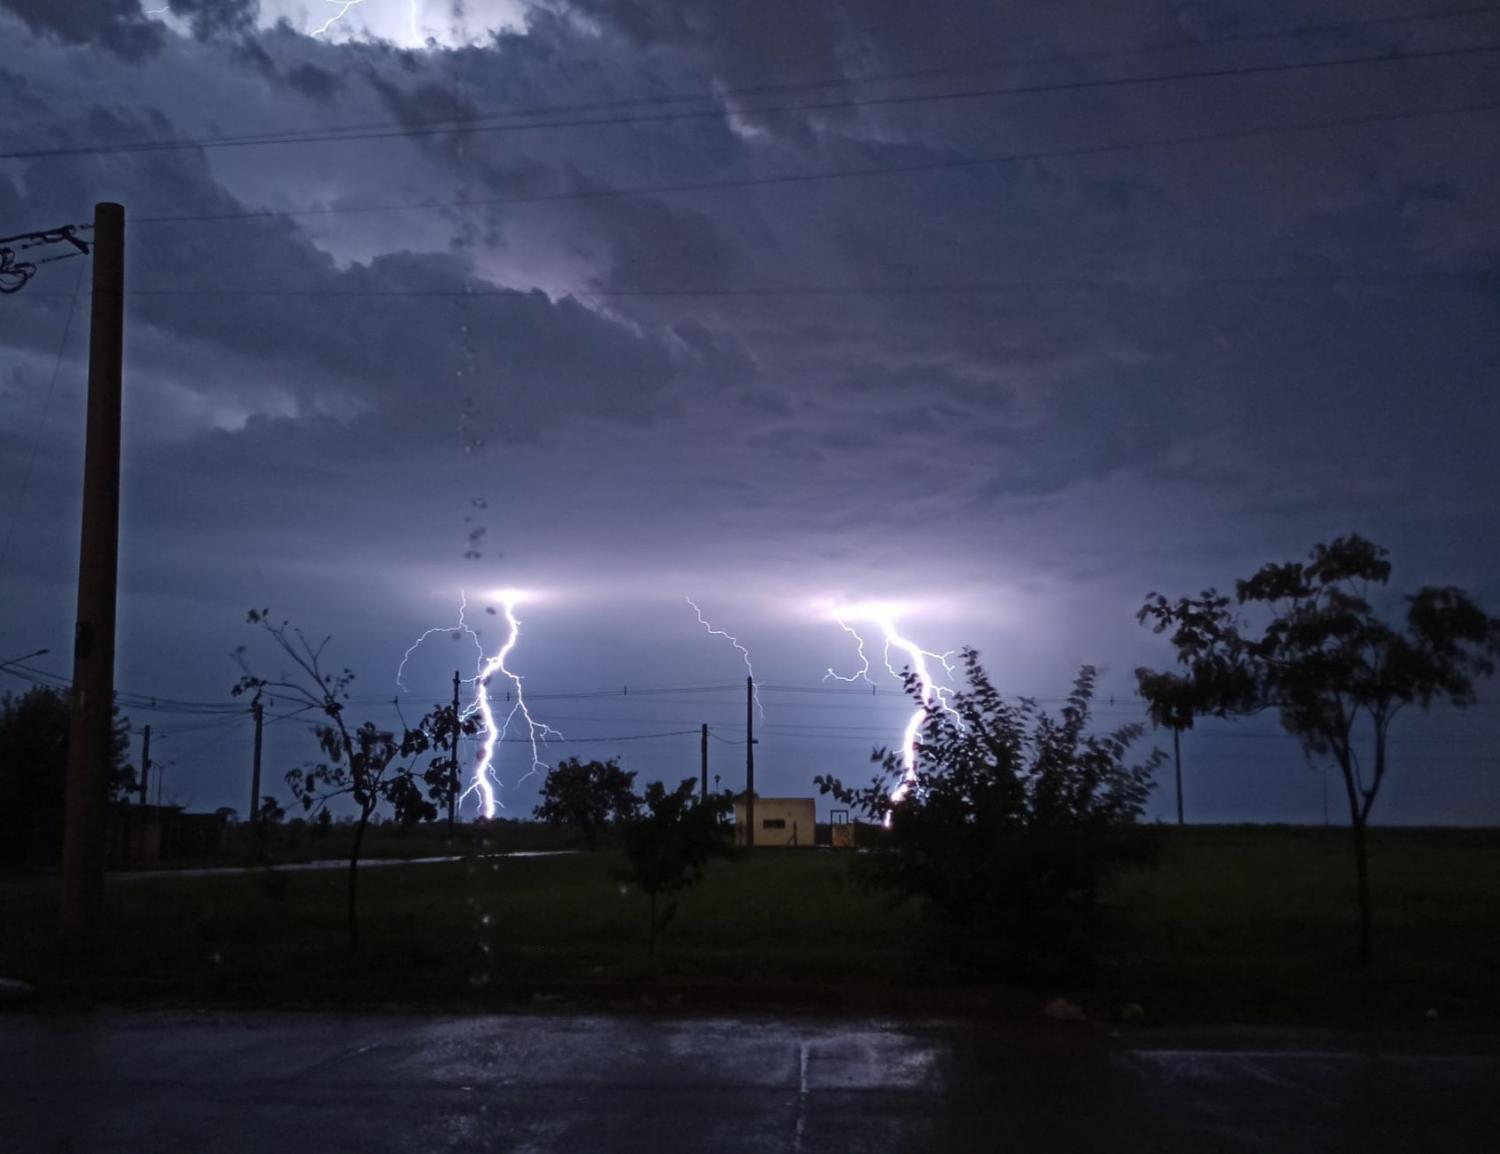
(589, 797)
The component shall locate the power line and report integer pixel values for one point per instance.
(597, 740)
(862, 698)
(477, 125)
(951, 164)
(972, 288)
(845, 81)
(41, 424)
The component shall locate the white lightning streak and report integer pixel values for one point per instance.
(745, 653)
(928, 689)
(416, 33)
(863, 673)
(484, 778)
(460, 626)
(343, 7)
(483, 781)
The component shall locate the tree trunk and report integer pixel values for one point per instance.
(1366, 918)
(359, 838)
(1357, 818)
(1177, 757)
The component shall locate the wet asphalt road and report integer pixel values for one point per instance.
(227, 1083)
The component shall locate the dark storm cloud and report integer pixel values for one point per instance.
(117, 25)
(210, 18)
(1107, 411)
(317, 83)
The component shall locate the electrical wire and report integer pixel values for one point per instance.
(1133, 284)
(719, 112)
(815, 176)
(41, 424)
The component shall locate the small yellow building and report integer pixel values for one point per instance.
(778, 821)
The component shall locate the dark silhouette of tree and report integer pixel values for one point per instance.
(1012, 823)
(1214, 686)
(34, 772)
(370, 766)
(668, 843)
(1171, 702)
(1327, 662)
(587, 797)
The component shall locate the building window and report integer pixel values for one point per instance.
(773, 823)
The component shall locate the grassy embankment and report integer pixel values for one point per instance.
(1235, 924)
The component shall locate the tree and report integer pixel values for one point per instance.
(369, 765)
(587, 797)
(1010, 821)
(669, 842)
(34, 772)
(1216, 685)
(1331, 667)
(1171, 703)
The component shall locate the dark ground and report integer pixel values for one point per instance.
(1235, 926)
(260, 1082)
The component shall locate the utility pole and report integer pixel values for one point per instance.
(750, 761)
(703, 761)
(145, 761)
(1177, 759)
(93, 696)
(259, 715)
(453, 767)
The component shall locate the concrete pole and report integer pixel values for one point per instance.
(703, 761)
(750, 761)
(145, 762)
(89, 752)
(259, 715)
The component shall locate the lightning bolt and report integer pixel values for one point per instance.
(863, 673)
(536, 731)
(461, 626)
(484, 779)
(929, 690)
(416, 33)
(744, 653)
(343, 7)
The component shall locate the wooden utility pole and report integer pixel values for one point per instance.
(703, 761)
(453, 766)
(749, 761)
(259, 716)
(90, 733)
(145, 762)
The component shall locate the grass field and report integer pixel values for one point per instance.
(1234, 925)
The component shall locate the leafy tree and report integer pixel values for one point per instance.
(1011, 822)
(1214, 687)
(1331, 667)
(34, 772)
(369, 765)
(1172, 704)
(668, 843)
(587, 797)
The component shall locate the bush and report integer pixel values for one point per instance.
(1008, 824)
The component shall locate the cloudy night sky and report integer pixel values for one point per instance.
(1004, 313)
